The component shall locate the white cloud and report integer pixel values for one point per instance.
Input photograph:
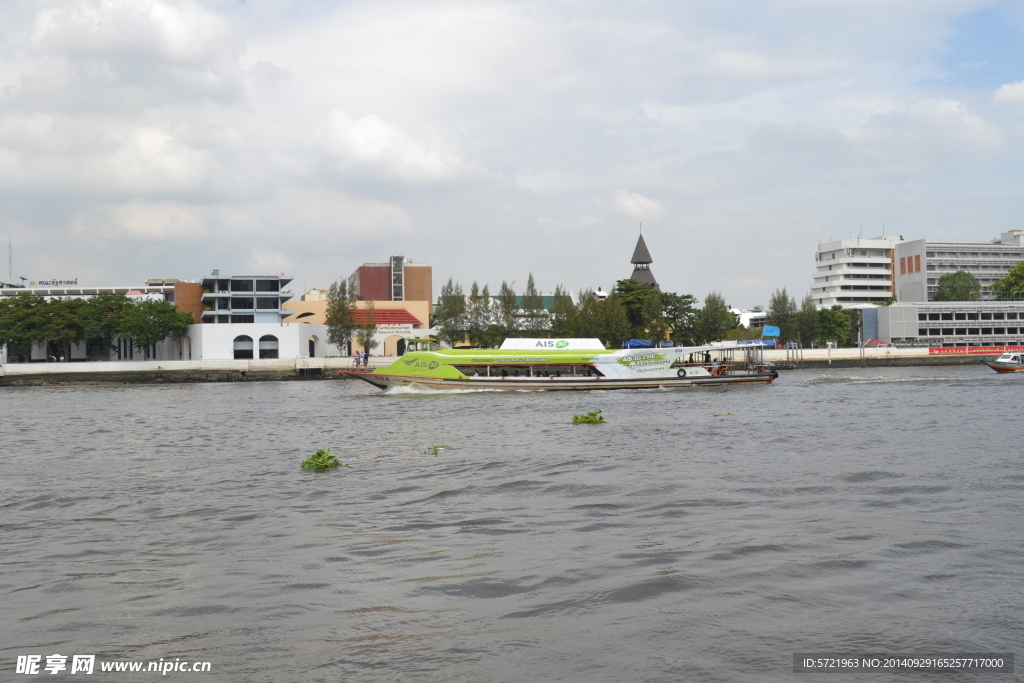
(638, 206)
(550, 182)
(371, 142)
(1011, 92)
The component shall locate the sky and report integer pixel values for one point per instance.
(163, 138)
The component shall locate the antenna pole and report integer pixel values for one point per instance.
(10, 261)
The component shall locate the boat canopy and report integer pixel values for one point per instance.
(548, 344)
(637, 344)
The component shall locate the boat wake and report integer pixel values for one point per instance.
(423, 391)
(884, 379)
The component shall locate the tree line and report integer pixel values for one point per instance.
(631, 310)
(27, 320)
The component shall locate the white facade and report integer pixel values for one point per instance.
(921, 263)
(854, 271)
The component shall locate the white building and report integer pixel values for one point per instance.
(922, 263)
(855, 271)
(244, 298)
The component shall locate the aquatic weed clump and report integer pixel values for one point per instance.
(321, 460)
(591, 418)
(436, 450)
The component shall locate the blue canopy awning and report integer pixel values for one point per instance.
(637, 344)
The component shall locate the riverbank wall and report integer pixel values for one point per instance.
(152, 372)
(258, 370)
(871, 357)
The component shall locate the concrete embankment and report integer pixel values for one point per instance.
(167, 371)
(872, 358)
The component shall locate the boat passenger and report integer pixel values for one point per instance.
(504, 372)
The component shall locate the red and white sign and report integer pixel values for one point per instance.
(972, 350)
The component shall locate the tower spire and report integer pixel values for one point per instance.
(642, 264)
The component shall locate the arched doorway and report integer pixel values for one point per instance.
(401, 346)
(391, 345)
(312, 346)
(243, 347)
(268, 346)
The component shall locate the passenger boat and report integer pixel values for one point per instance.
(570, 364)
(1011, 361)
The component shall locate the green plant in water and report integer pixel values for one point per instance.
(722, 414)
(321, 460)
(436, 450)
(591, 418)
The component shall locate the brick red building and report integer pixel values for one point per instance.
(397, 280)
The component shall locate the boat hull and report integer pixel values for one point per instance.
(1002, 367)
(384, 381)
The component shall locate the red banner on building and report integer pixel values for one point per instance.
(982, 350)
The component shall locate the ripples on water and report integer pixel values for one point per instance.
(856, 510)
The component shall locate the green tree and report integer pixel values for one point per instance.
(563, 315)
(589, 320)
(633, 294)
(656, 327)
(782, 314)
(959, 286)
(681, 317)
(146, 323)
(450, 314)
(22, 321)
(807, 321)
(103, 321)
(366, 333)
(833, 325)
(479, 316)
(715, 318)
(615, 325)
(1011, 285)
(341, 315)
(65, 323)
(508, 311)
(535, 318)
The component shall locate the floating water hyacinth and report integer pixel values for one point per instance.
(435, 450)
(591, 418)
(722, 414)
(321, 460)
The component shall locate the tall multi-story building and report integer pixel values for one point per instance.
(244, 298)
(855, 271)
(921, 263)
(397, 280)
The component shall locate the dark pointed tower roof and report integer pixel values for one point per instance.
(642, 265)
(640, 254)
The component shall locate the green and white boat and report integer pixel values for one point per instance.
(570, 364)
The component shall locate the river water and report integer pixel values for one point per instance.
(701, 534)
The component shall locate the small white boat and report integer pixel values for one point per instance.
(1011, 361)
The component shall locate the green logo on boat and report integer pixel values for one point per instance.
(433, 364)
(561, 344)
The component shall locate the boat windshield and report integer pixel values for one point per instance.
(422, 345)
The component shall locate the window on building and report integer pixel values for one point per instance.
(961, 316)
(1011, 330)
(922, 316)
(933, 331)
(268, 285)
(922, 332)
(242, 346)
(972, 316)
(268, 346)
(947, 316)
(266, 303)
(986, 330)
(947, 331)
(242, 303)
(933, 316)
(241, 285)
(1011, 316)
(242, 318)
(224, 304)
(223, 318)
(972, 330)
(998, 316)
(961, 331)
(998, 330)
(986, 316)
(223, 285)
